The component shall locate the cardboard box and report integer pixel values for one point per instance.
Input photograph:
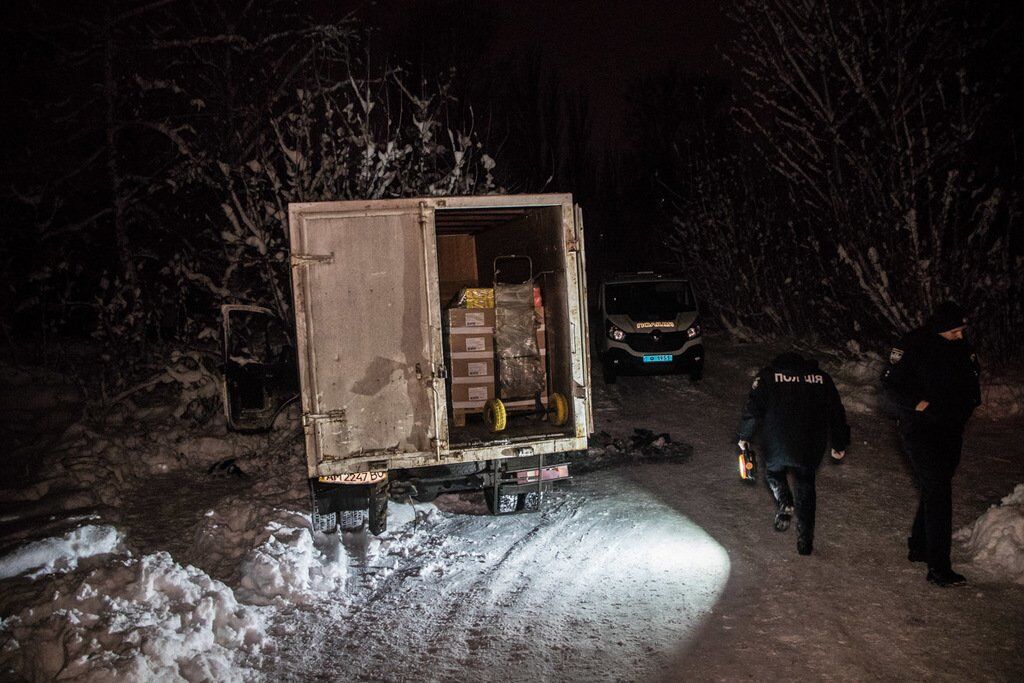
(459, 319)
(471, 397)
(456, 265)
(472, 369)
(477, 346)
(471, 334)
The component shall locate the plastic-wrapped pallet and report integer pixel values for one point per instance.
(521, 372)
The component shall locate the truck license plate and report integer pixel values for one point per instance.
(662, 358)
(354, 478)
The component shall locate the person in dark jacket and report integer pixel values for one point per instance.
(796, 407)
(933, 380)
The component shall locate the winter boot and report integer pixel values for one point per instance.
(782, 517)
(944, 578)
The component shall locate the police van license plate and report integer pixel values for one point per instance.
(354, 478)
(662, 358)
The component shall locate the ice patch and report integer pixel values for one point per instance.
(136, 619)
(995, 542)
(290, 567)
(62, 554)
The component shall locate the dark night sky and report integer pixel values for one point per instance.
(604, 45)
(601, 46)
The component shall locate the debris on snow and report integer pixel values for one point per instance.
(53, 555)
(995, 542)
(642, 446)
(141, 619)
(228, 466)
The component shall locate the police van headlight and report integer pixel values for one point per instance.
(693, 331)
(615, 333)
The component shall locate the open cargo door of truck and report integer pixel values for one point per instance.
(372, 384)
(259, 376)
(578, 254)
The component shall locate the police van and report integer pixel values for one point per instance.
(651, 324)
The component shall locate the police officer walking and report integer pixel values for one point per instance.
(796, 407)
(933, 379)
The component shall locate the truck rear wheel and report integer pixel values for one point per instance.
(502, 505)
(351, 520)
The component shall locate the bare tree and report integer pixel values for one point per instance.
(867, 114)
(330, 130)
(221, 112)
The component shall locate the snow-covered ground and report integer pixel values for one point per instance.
(995, 542)
(127, 552)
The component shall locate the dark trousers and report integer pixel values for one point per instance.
(805, 500)
(933, 458)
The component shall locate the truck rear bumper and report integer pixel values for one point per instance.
(510, 448)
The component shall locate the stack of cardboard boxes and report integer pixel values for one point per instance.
(471, 365)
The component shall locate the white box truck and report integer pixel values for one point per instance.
(376, 286)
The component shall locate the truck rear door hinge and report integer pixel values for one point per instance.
(307, 259)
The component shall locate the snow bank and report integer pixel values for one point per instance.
(289, 567)
(295, 565)
(995, 542)
(138, 619)
(62, 554)
(1002, 397)
(858, 382)
(229, 531)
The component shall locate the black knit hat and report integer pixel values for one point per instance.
(948, 316)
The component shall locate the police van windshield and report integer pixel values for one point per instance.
(663, 298)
